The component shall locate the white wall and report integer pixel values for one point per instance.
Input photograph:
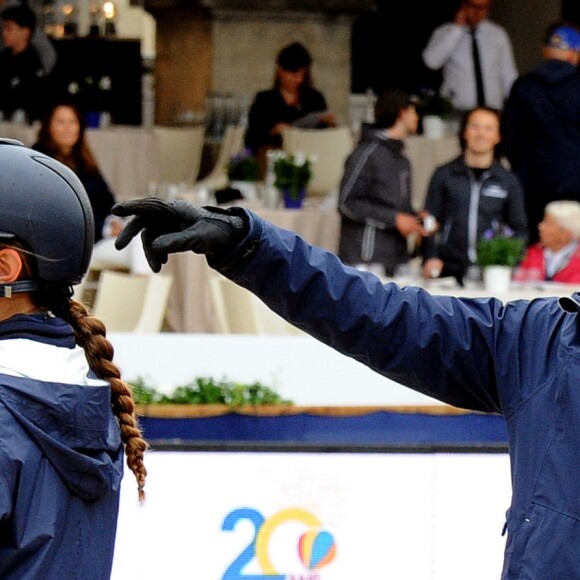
(299, 368)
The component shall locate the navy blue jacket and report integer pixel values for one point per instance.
(520, 359)
(60, 457)
(541, 135)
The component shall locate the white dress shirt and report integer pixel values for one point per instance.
(450, 48)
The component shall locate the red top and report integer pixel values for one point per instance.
(534, 259)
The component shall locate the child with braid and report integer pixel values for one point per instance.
(65, 413)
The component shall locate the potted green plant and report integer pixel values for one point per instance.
(435, 111)
(92, 95)
(498, 252)
(244, 172)
(244, 167)
(293, 174)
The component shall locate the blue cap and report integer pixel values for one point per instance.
(565, 38)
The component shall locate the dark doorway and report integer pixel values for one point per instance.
(387, 45)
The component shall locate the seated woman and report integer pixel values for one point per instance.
(291, 101)
(556, 257)
(62, 136)
(469, 195)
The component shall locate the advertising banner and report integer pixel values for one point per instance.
(314, 516)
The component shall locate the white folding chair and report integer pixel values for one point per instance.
(329, 147)
(132, 303)
(180, 150)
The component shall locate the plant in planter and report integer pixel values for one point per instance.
(244, 167)
(498, 252)
(92, 95)
(432, 104)
(435, 110)
(293, 174)
(244, 173)
(499, 248)
(208, 391)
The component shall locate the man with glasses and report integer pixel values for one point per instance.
(475, 56)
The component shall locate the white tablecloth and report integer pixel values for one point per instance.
(190, 306)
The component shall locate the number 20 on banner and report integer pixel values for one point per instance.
(316, 547)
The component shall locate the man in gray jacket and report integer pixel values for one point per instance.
(375, 192)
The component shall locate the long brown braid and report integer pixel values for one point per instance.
(91, 336)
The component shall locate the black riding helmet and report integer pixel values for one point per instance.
(44, 205)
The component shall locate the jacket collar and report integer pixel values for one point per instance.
(458, 166)
(371, 133)
(41, 327)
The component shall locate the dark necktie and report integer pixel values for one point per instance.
(477, 70)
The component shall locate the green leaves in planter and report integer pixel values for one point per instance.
(500, 248)
(293, 172)
(244, 167)
(207, 391)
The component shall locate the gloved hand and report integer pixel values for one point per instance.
(177, 226)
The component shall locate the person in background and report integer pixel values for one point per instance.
(65, 413)
(556, 257)
(471, 79)
(374, 203)
(24, 84)
(541, 125)
(469, 195)
(39, 41)
(62, 135)
(517, 359)
(292, 101)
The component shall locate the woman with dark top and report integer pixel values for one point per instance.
(62, 137)
(291, 101)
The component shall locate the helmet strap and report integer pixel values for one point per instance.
(7, 290)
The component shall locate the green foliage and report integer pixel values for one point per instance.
(293, 172)
(244, 167)
(500, 250)
(433, 103)
(207, 391)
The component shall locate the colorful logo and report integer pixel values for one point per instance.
(315, 547)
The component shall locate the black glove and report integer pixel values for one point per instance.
(177, 226)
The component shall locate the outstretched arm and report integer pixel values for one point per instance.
(444, 347)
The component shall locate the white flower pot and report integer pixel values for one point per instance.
(434, 127)
(497, 279)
